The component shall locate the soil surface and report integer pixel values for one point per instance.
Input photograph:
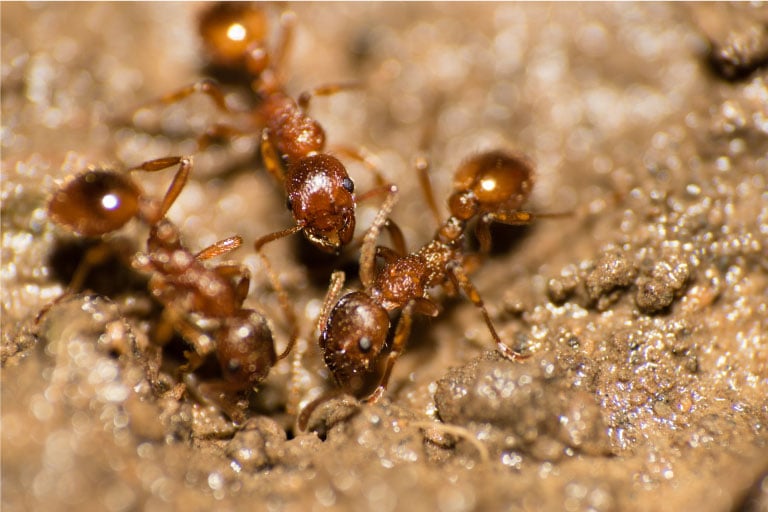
(644, 310)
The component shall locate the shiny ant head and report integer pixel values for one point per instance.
(234, 34)
(95, 203)
(490, 182)
(320, 199)
(353, 339)
(245, 349)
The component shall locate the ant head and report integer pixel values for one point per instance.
(234, 34)
(245, 349)
(95, 203)
(353, 339)
(490, 182)
(320, 199)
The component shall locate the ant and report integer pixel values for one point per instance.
(194, 295)
(354, 329)
(98, 202)
(319, 192)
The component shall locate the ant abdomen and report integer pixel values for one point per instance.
(95, 203)
(355, 335)
(490, 182)
(234, 35)
(245, 349)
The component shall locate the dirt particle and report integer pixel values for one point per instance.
(613, 271)
(656, 293)
(522, 407)
(738, 50)
(560, 288)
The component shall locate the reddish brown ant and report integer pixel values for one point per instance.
(195, 295)
(99, 202)
(490, 187)
(319, 191)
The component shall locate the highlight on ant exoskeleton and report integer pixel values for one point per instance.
(203, 304)
(319, 192)
(355, 338)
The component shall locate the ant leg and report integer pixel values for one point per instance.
(303, 419)
(515, 218)
(176, 186)
(173, 320)
(241, 275)
(422, 166)
(295, 379)
(224, 246)
(471, 263)
(421, 161)
(483, 235)
(482, 229)
(455, 430)
(396, 236)
(287, 23)
(461, 280)
(277, 235)
(387, 254)
(368, 250)
(402, 332)
(365, 157)
(205, 86)
(93, 257)
(285, 304)
(220, 395)
(218, 131)
(331, 298)
(272, 161)
(395, 233)
(325, 90)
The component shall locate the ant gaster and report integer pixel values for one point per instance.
(490, 187)
(99, 202)
(319, 191)
(234, 35)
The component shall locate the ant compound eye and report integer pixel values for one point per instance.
(348, 185)
(288, 203)
(365, 344)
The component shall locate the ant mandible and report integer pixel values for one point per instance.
(490, 187)
(99, 202)
(319, 192)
